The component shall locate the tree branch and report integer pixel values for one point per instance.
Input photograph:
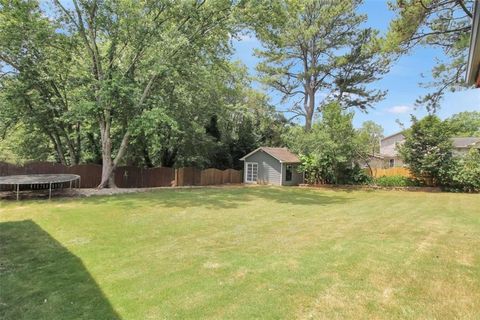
(464, 8)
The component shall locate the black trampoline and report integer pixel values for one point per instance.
(40, 182)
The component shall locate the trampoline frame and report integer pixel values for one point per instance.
(16, 181)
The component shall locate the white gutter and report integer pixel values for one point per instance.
(473, 65)
(281, 173)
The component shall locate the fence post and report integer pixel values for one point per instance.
(177, 177)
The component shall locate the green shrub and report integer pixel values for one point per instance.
(428, 149)
(395, 181)
(318, 170)
(465, 175)
(355, 175)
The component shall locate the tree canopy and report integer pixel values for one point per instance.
(152, 82)
(145, 83)
(443, 24)
(427, 149)
(464, 124)
(317, 52)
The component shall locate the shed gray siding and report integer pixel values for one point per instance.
(297, 177)
(268, 167)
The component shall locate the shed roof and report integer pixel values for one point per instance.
(281, 154)
(466, 142)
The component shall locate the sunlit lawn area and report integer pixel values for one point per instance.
(242, 253)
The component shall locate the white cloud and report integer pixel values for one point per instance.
(399, 109)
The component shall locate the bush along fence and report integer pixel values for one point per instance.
(131, 177)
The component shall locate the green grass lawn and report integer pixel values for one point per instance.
(242, 253)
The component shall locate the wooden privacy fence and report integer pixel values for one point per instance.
(207, 177)
(134, 177)
(396, 171)
(90, 173)
(130, 177)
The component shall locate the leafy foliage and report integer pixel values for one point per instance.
(443, 24)
(465, 174)
(20, 145)
(317, 46)
(464, 124)
(40, 78)
(311, 166)
(369, 136)
(368, 139)
(140, 83)
(329, 148)
(395, 181)
(427, 149)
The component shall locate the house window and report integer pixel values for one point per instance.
(391, 163)
(288, 172)
(252, 172)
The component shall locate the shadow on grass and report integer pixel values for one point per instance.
(223, 197)
(41, 279)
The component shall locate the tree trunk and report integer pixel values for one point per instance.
(58, 149)
(146, 155)
(79, 144)
(310, 109)
(94, 147)
(109, 165)
(108, 179)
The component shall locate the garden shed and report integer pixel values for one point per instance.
(277, 166)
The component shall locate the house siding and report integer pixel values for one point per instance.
(297, 177)
(389, 150)
(388, 146)
(268, 167)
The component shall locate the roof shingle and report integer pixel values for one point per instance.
(465, 142)
(281, 154)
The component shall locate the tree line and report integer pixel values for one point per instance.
(151, 82)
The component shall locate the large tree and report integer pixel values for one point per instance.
(464, 124)
(330, 146)
(316, 52)
(39, 78)
(428, 149)
(211, 120)
(130, 48)
(368, 138)
(443, 24)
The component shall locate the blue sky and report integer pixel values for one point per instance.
(402, 82)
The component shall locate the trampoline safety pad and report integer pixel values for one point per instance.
(51, 180)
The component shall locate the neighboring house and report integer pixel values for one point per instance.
(473, 66)
(391, 157)
(276, 166)
(461, 146)
(388, 150)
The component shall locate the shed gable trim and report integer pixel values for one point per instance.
(248, 155)
(267, 152)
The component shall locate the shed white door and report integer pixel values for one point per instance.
(251, 172)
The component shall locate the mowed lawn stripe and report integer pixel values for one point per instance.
(242, 253)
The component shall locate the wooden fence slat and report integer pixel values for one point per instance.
(129, 176)
(395, 171)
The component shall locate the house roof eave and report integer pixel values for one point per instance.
(264, 149)
(473, 64)
(248, 155)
